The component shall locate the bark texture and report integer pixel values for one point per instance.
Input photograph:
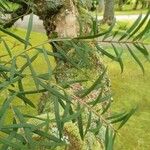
(64, 23)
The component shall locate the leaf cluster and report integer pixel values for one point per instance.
(19, 133)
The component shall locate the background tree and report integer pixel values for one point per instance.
(120, 4)
(108, 16)
(144, 4)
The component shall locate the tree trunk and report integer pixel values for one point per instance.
(108, 16)
(148, 6)
(120, 4)
(64, 23)
(136, 4)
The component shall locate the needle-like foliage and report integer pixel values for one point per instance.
(88, 116)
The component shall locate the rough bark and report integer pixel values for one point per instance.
(108, 16)
(64, 23)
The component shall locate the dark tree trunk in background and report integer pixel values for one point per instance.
(136, 4)
(148, 5)
(145, 4)
(108, 16)
(120, 4)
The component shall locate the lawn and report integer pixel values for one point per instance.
(130, 88)
(40, 65)
(131, 12)
(127, 9)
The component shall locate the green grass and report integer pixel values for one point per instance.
(131, 12)
(130, 89)
(40, 65)
(128, 10)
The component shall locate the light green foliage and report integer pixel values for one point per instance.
(84, 105)
(118, 84)
(126, 95)
(71, 135)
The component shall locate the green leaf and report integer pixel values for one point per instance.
(109, 139)
(32, 91)
(63, 54)
(142, 49)
(47, 61)
(19, 125)
(119, 59)
(22, 97)
(80, 123)
(9, 138)
(95, 25)
(57, 116)
(74, 116)
(131, 28)
(105, 52)
(98, 99)
(32, 71)
(20, 87)
(81, 52)
(32, 59)
(12, 144)
(8, 49)
(29, 29)
(98, 81)
(93, 36)
(16, 135)
(28, 133)
(106, 107)
(5, 107)
(45, 76)
(140, 25)
(4, 68)
(13, 69)
(119, 118)
(14, 36)
(101, 99)
(116, 115)
(132, 111)
(2, 6)
(54, 54)
(5, 84)
(88, 123)
(52, 90)
(136, 58)
(146, 29)
(46, 135)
